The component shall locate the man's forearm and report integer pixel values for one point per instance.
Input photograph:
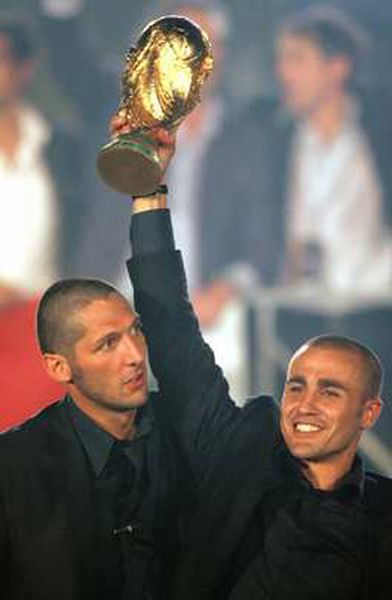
(151, 228)
(194, 388)
(151, 231)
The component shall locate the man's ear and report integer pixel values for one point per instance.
(57, 367)
(370, 413)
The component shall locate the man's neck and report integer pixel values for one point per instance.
(10, 131)
(120, 424)
(328, 118)
(327, 475)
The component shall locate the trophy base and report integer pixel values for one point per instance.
(130, 164)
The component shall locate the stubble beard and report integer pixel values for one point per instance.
(102, 400)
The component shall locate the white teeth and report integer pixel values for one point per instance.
(306, 427)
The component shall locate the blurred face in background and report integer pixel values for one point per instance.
(307, 76)
(215, 34)
(14, 75)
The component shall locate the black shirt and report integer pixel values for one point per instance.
(118, 479)
(285, 531)
(97, 442)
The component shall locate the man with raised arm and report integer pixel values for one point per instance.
(285, 508)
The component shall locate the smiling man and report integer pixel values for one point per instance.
(90, 487)
(285, 507)
(331, 396)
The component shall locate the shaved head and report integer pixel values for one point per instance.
(372, 369)
(59, 325)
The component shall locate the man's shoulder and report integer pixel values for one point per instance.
(259, 417)
(255, 115)
(254, 125)
(64, 143)
(377, 480)
(261, 108)
(378, 493)
(33, 427)
(375, 108)
(259, 414)
(263, 403)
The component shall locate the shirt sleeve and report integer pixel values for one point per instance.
(196, 396)
(151, 231)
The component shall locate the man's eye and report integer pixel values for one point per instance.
(109, 343)
(294, 387)
(331, 393)
(137, 328)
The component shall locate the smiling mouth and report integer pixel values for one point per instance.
(306, 428)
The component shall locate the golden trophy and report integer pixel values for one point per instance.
(160, 85)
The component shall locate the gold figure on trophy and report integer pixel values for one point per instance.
(160, 86)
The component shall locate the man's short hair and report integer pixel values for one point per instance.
(373, 370)
(332, 30)
(216, 11)
(22, 42)
(58, 328)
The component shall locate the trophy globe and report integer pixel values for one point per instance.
(161, 84)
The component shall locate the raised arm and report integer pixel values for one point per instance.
(195, 392)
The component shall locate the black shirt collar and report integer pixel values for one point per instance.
(354, 480)
(98, 443)
(352, 484)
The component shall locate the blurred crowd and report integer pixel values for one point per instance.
(281, 199)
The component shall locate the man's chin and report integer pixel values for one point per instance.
(304, 451)
(129, 404)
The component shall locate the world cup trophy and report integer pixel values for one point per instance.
(161, 84)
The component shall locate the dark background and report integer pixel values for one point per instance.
(112, 26)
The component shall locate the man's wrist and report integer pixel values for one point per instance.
(154, 201)
(148, 203)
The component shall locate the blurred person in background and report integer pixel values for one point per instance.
(92, 87)
(91, 81)
(195, 136)
(40, 186)
(311, 171)
(41, 191)
(197, 154)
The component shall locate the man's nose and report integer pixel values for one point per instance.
(134, 350)
(308, 401)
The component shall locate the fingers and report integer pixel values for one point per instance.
(120, 124)
(164, 137)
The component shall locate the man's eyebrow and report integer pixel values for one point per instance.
(296, 379)
(332, 383)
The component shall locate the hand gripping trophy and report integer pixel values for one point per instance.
(160, 85)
